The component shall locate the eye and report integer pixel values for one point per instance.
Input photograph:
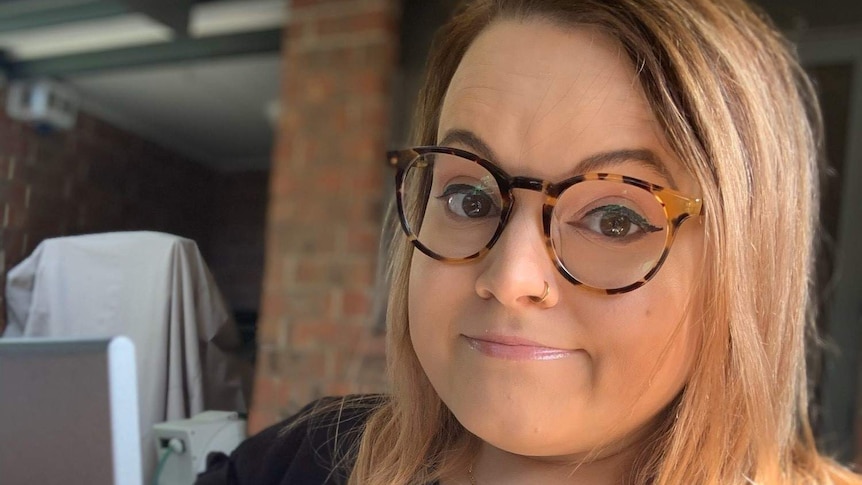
(463, 200)
(616, 222)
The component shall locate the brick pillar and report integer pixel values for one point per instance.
(316, 334)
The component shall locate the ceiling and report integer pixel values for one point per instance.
(199, 77)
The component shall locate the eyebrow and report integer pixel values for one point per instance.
(593, 163)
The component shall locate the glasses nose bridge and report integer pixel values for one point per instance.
(524, 183)
(529, 183)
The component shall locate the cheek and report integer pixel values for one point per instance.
(423, 286)
(432, 302)
(438, 290)
(642, 350)
(644, 342)
(649, 337)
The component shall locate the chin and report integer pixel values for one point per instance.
(522, 431)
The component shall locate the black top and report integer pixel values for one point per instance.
(314, 451)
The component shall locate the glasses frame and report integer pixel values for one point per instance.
(677, 207)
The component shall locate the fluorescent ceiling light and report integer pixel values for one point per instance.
(228, 17)
(92, 35)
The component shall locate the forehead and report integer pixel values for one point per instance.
(532, 90)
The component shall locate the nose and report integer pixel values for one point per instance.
(517, 269)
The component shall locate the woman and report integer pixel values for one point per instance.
(606, 272)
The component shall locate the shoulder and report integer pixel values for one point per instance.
(315, 446)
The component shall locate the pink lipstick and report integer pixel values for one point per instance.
(513, 348)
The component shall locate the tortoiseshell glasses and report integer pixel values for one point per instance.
(610, 233)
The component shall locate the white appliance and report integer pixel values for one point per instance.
(183, 445)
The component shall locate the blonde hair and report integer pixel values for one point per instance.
(740, 114)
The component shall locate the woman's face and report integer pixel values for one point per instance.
(542, 99)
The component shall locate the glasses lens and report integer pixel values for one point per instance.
(608, 234)
(452, 205)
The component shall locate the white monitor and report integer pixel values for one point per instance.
(69, 412)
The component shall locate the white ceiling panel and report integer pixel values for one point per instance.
(72, 38)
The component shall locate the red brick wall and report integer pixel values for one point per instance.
(326, 194)
(93, 178)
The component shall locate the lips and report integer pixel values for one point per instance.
(515, 348)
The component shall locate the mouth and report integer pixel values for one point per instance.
(515, 348)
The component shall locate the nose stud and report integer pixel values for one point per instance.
(540, 299)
